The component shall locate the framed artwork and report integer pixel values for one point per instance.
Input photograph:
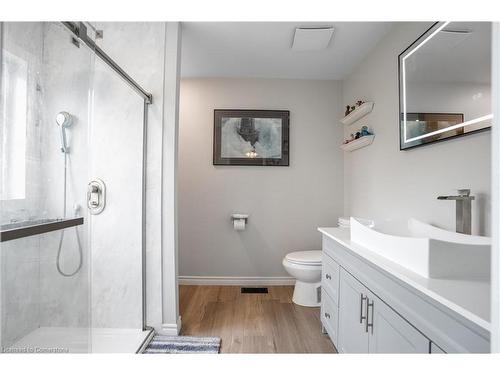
(251, 137)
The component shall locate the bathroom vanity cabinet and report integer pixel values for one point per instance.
(369, 306)
(368, 325)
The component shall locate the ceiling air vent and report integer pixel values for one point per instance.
(312, 38)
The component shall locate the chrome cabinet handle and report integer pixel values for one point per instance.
(328, 277)
(368, 324)
(327, 315)
(361, 317)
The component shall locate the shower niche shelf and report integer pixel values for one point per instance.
(13, 231)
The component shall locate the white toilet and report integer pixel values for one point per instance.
(305, 266)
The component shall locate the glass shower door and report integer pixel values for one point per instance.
(45, 275)
(72, 153)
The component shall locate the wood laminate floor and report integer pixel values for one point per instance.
(252, 323)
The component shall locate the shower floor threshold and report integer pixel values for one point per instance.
(77, 340)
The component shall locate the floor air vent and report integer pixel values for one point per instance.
(254, 290)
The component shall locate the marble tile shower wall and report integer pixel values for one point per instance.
(116, 158)
(19, 259)
(139, 48)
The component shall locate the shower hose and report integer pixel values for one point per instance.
(61, 238)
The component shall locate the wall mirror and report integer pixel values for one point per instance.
(445, 83)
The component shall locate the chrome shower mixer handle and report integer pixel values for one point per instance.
(96, 196)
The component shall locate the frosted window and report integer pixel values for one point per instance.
(14, 117)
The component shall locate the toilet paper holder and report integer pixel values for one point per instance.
(239, 217)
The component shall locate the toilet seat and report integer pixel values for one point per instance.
(310, 258)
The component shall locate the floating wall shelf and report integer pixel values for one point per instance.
(358, 113)
(22, 229)
(358, 143)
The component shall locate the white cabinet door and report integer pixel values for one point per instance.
(352, 337)
(390, 333)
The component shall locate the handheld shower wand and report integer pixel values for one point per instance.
(63, 120)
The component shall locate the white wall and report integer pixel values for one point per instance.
(285, 204)
(382, 182)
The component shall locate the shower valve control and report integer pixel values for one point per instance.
(96, 196)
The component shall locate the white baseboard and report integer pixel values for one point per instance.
(171, 329)
(235, 280)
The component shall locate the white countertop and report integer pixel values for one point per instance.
(470, 299)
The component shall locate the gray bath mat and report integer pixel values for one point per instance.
(183, 344)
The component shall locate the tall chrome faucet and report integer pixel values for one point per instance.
(464, 209)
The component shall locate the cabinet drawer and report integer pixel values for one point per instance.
(330, 277)
(329, 317)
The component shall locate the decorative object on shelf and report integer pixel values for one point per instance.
(357, 112)
(365, 131)
(350, 108)
(350, 139)
(358, 143)
(251, 137)
(357, 140)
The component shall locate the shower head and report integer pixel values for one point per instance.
(64, 120)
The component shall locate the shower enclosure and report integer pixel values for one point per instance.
(72, 194)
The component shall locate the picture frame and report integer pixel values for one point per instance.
(247, 137)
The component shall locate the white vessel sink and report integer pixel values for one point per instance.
(427, 250)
